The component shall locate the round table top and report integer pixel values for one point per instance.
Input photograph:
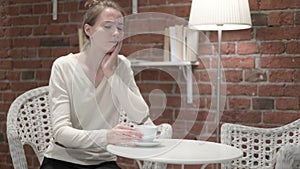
(179, 151)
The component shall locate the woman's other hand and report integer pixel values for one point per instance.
(122, 135)
(109, 60)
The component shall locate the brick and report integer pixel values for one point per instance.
(25, 10)
(259, 19)
(70, 6)
(281, 18)
(150, 75)
(165, 9)
(43, 75)
(26, 64)
(234, 75)
(9, 97)
(6, 64)
(288, 103)
(45, 52)
(25, 20)
(5, 43)
(253, 75)
(238, 62)
(155, 2)
(297, 18)
(3, 75)
(202, 76)
(276, 4)
(241, 90)
(146, 38)
(239, 104)
(246, 48)
(227, 49)
(19, 31)
(74, 17)
(253, 5)
(54, 29)
(13, 76)
(241, 117)
(40, 9)
(280, 117)
(28, 75)
(204, 89)
(280, 62)
(262, 104)
(28, 42)
(282, 75)
(51, 42)
(277, 33)
(273, 48)
(279, 90)
(178, 1)
(293, 48)
(182, 11)
(148, 87)
(4, 86)
(237, 35)
(23, 86)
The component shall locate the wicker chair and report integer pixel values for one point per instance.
(29, 122)
(288, 157)
(259, 145)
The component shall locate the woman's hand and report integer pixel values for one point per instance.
(122, 135)
(109, 60)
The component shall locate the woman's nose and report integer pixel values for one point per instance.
(116, 32)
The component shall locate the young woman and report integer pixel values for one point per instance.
(87, 92)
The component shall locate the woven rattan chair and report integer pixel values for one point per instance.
(259, 145)
(288, 157)
(29, 122)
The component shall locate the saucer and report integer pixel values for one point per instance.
(146, 144)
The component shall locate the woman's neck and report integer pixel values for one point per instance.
(90, 60)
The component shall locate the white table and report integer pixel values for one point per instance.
(179, 151)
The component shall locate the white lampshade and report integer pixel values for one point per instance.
(220, 14)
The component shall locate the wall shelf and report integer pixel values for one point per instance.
(187, 68)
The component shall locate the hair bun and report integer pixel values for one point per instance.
(91, 3)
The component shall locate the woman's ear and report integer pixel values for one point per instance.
(87, 29)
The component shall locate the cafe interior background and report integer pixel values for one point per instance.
(261, 64)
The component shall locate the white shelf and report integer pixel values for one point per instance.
(187, 70)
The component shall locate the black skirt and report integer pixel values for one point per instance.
(49, 163)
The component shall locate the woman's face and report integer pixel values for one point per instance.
(107, 31)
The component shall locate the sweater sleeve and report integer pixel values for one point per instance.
(64, 132)
(128, 94)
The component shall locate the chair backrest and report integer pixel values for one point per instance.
(29, 122)
(259, 145)
(288, 157)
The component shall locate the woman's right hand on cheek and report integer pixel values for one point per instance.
(122, 135)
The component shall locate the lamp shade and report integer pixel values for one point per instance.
(220, 14)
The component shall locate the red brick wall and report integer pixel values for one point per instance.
(261, 64)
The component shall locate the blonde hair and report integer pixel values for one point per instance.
(95, 7)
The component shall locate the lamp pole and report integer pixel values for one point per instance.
(219, 78)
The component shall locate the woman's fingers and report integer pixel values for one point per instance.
(123, 135)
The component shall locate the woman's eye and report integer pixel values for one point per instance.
(107, 26)
(120, 28)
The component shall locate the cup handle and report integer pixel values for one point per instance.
(158, 134)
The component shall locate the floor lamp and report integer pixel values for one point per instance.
(219, 15)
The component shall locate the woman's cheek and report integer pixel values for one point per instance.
(101, 40)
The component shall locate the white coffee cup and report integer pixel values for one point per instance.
(149, 132)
